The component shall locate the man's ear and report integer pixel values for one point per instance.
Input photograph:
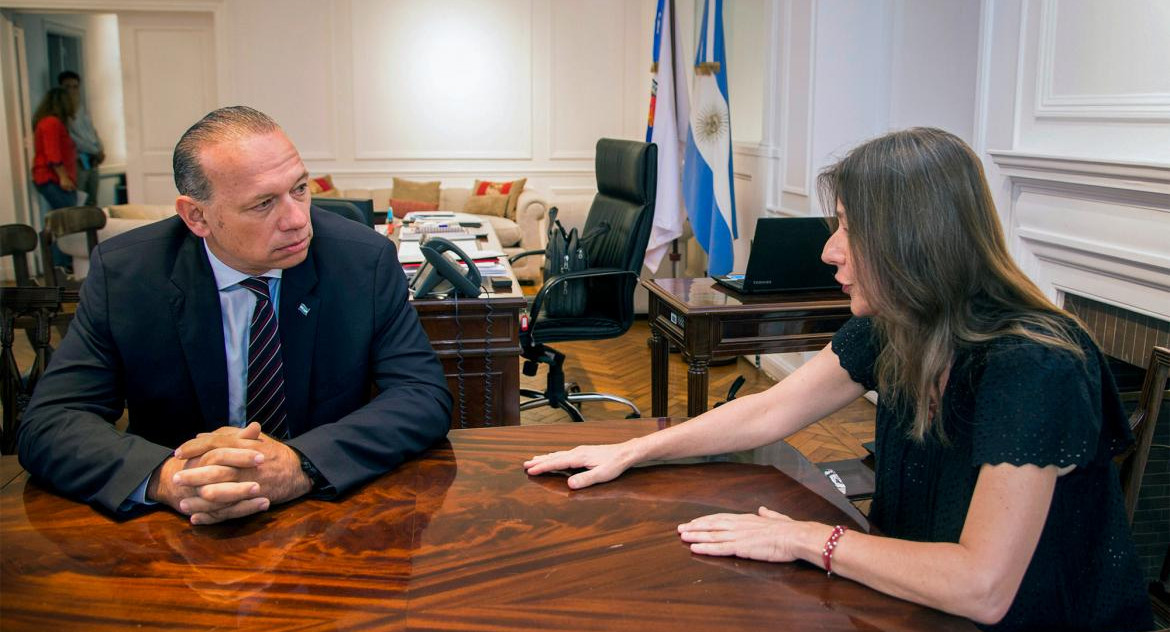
(191, 210)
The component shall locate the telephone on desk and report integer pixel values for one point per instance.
(442, 273)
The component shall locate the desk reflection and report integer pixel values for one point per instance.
(461, 538)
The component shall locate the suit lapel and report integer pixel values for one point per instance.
(194, 303)
(298, 337)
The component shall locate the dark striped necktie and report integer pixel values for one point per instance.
(265, 364)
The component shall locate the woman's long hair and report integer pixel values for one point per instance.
(929, 254)
(56, 102)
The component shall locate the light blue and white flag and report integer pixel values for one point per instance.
(667, 127)
(707, 174)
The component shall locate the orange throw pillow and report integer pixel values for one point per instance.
(317, 186)
(489, 204)
(417, 191)
(511, 190)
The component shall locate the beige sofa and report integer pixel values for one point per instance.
(120, 218)
(528, 232)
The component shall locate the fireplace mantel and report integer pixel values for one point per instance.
(1094, 228)
(1111, 174)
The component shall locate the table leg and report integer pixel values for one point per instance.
(659, 372)
(697, 387)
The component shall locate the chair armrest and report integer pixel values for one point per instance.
(538, 300)
(527, 253)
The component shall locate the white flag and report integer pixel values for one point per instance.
(667, 127)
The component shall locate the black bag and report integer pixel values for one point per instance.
(565, 253)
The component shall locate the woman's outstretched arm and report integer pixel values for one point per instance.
(816, 389)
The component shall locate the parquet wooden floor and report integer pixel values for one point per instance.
(621, 366)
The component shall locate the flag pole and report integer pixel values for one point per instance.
(674, 258)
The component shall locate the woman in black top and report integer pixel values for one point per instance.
(996, 424)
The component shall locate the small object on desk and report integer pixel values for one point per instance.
(417, 229)
(836, 480)
(500, 282)
(471, 224)
(421, 216)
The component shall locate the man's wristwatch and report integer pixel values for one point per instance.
(320, 485)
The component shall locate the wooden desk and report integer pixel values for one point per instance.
(706, 321)
(478, 342)
(461, 539)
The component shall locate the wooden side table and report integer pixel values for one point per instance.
(706, 320)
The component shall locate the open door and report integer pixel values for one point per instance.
(168, 83)
(18, 204)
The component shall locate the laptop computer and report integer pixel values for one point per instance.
(785, 257)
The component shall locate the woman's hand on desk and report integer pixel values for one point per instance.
(767, 535)
(600, 463)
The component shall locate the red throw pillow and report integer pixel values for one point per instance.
(402, 207)
(320, 185)
(511, 189)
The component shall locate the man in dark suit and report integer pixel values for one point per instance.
(243, 336)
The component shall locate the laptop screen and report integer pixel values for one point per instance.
(786, 256)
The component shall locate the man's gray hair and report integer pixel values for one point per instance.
(237, 121)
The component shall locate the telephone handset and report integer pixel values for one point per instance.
(442, 271)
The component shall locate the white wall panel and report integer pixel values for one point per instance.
(284, 66)
(1088, 51)
(798, 60)
(1093, 80)
(745, 29)
(170, 69)
(587, 59)
(933, 65)
(159, 188)
(436, 80)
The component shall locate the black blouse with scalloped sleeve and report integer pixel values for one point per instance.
(1016, 401)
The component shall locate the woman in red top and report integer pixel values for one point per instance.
(55, 163)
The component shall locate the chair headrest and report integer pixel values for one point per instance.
(74, 219)
(627, 170)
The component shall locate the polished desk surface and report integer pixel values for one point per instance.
(700, 295)
(460, 538)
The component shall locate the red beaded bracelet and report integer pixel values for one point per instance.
(830, 544)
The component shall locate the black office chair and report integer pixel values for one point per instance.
(359, 210)
(67, 221)
(627, 175)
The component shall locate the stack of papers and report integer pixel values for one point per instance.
(486, 261)
(486, 268)
(417, 230)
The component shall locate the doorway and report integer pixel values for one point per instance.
(64, 53)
